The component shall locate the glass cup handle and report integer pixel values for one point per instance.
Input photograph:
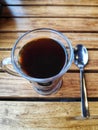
(4, 66)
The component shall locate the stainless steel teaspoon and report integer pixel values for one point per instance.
(81, 59)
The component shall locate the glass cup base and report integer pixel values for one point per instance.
(51, 91)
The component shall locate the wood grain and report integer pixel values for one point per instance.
(62, 24)
(50, 2)
(90, 40)
(50, 11)
(45, 115)
(11, 86)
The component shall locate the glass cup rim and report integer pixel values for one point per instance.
(43, 80)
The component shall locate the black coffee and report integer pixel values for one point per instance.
(42, 58)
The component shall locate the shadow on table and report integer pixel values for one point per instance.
(7, 22)
(1, 8)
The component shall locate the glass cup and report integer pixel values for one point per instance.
(43, 86)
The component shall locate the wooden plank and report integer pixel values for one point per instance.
(45, 115)
(7, 40)
(90, 40)
(50, 11)
(11, 86)
(50, 2)
(62, 24)
(92, 64)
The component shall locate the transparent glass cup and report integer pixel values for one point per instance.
(43, 86)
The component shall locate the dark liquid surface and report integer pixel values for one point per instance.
(42, 58)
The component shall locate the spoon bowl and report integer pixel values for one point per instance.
(80, 56)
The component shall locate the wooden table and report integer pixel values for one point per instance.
(20, 106)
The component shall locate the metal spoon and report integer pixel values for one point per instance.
(81, 59)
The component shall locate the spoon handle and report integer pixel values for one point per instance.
(84, 107)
